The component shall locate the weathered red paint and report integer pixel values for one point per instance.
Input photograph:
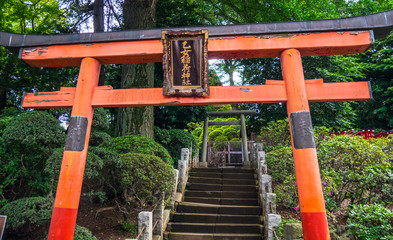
(261, 46)
(308, 178)
(312, 230)
(73, 165)
(273, 91)
(60, 228)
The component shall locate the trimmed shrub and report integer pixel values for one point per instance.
(372, 222)
(101, 167)
(52, 167)
(97, 138)
(358, 170)
(144, 177)
(29, 141)
(138, 144)
(280, 163)
(33, 128)
(230, 132)
(27, 213)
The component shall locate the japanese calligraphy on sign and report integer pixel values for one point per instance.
(185, 63)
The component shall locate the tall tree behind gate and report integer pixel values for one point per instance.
(138, 14)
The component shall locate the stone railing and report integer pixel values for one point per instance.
(152, 224)
(266, 195)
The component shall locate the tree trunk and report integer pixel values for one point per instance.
(98, 19)
(3, 100)
(138, 14)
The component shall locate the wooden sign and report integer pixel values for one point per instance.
(185, 63)
(2, 225)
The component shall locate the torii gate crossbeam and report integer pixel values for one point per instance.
(312, 38)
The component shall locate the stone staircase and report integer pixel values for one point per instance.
(219, 204)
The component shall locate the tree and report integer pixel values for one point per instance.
(138, 14)
(17, 77)
(340, 115)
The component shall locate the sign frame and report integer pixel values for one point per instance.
(196, 87)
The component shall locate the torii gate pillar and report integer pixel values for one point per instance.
(312, 206)
(73, 165)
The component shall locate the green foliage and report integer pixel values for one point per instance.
(280, 228)
(359, 170)
(221, 143)
(286, 192)
(100, 127)
(174, 140)
(129, 227)
(97, 138)
(33, 128)
(371, 222)
(280, 163)
(28, 141)
(230, 131)
(275, 135)
(100, 119)
(144, 177)
(17, 78)
(377, 112)
(167, 117)
(138, 144)
(30, 17)
(100, 175)
(351, 168)
(27, 213)
(94, 164)
(82, 233)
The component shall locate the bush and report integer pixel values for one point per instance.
(100, 169)
(52, 167)
(359, 170)
(280, 163)
(29, 140)
(275, 135)
(138, 144)
(82, 233)
(34, 128)
(99, 127)
(144, 178)
(230, 131)
(371, 222)
(286, 193)
(97, 138)
(174, 140)
(23, 215)
(100, 119)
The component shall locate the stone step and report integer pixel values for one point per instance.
(219, 187)
(221, 194)
(224, 201)
(215, 218)
(214, 228)
(222, 181)
(210, 236)
(186, 207)
(223, 175)
(224, 170)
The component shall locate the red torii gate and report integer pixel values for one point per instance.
(89, 51)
